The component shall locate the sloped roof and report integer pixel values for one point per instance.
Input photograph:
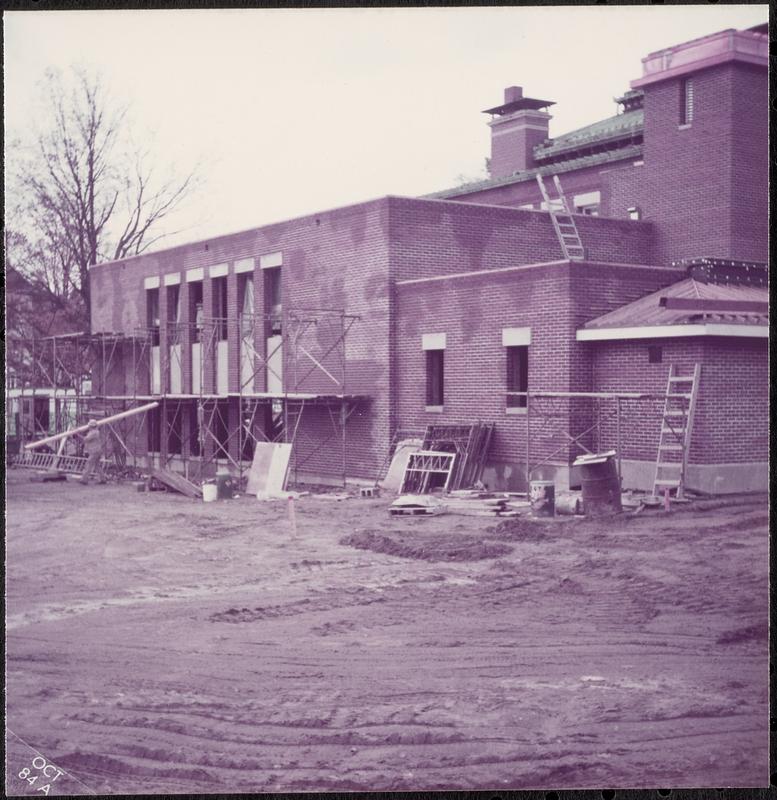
(649, 311)
(627, 124)
(569, 165)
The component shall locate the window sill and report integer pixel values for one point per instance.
(515, 410)
(684, 127)
(434, 409)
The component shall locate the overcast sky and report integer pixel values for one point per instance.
(296, 111)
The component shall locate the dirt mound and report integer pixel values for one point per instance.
(527, 530)
(427, 547)
(753, 633)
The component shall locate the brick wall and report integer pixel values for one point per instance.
(433, 237)
(731, 421)
(554, 301)
(704, 185)
(332, 260)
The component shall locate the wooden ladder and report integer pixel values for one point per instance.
(677, 425)
(563, 221)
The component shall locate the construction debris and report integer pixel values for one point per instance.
(470, 443)
(485, 504)
(412, 504)
(402, 449)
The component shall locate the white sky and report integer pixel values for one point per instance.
(296, 111)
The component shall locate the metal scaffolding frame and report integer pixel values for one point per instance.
(608, 414)
(69, 372)
(203, 425)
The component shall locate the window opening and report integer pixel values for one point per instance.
(517, 375)
(195, 308)
(152, 314)
(686, 101)
(220, 306)
(435, 377)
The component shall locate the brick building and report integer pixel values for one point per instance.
(338, 328)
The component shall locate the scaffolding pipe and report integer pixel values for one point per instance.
(82, 428)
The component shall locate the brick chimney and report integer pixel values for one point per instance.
(517, 126)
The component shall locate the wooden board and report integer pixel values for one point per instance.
(176, 482)
(269, 468)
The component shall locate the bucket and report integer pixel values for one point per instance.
(542, 498)
(210, 492)
(601, 488)
(224, 486)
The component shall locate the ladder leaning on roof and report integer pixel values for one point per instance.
(677, 424)
(563, 221)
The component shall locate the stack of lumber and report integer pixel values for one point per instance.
(485, 504)
(470, 443)
(413, 504)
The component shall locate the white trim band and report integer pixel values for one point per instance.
(244, 265)
(516, 337)
(270, 260)
(171, 279)
(670, 331)
(151, 282)
(433, 341)
(196, 274)
(218, 270)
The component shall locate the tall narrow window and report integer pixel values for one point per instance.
(173, 304)
(220, 306)
(153, 428)
(246, 295)
(152, 314)
(195, 308)
(174, 430)
(435, 377)
(273, 298)
(686, 101)
(194, 429)
(517, 375)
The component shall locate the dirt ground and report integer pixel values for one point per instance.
(157, 644)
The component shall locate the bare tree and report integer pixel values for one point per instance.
(86, 193)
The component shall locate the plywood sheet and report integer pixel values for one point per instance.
(269, 468)
(396, 470)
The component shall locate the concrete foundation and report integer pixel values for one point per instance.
(703, 478)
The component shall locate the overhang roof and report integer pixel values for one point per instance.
(519, 104)
(697, 308)
(620, 126)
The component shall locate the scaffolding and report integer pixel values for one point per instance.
(289, 366)
(559, 425)
(58, 382)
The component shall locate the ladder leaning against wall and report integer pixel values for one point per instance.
(563, 221)
(676, 428)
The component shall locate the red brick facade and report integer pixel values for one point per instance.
(472, 265)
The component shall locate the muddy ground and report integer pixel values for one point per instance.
(157, 644)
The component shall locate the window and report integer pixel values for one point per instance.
(194, 429)
(517, 374)
(195, 308)
(273, 299)
(655, 354)
(634, 212)
(246, 295)
(174, 432)
(686, 101)
(587, 203)
(153, 428)
(173, 304)
(435, 377)
(219, 286)
(152, 314)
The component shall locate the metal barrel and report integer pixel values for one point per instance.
(601, 488)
